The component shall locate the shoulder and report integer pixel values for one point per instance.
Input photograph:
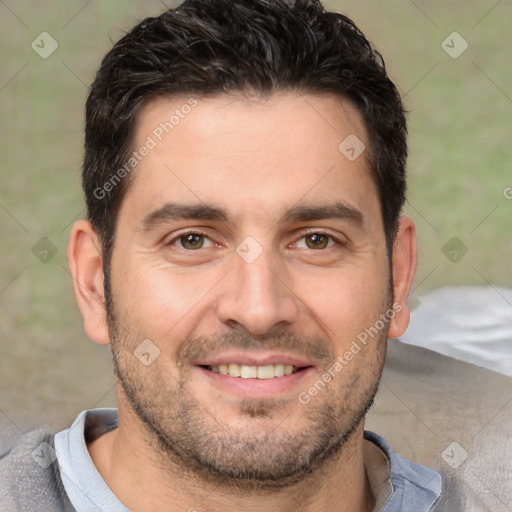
(29, 476)
(451, 416)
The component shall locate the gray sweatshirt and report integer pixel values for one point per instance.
(29, 481)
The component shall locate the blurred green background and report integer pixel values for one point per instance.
(459, 169)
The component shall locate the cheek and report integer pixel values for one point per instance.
(345, 301)
(162, 300)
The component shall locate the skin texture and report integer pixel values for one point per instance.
(186, 441)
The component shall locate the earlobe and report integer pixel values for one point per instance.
(405, 255)
(86, 266)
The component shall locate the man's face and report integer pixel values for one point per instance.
(247, 238)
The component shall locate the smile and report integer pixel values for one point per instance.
(243, 371)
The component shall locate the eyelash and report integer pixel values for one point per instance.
(186, 233)
(307, 233)
(322, 233)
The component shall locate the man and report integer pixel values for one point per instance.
(245, 258)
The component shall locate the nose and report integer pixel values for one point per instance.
(257, 297)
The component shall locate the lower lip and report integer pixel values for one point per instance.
(258, 388)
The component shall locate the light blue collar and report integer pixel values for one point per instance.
(416, 488)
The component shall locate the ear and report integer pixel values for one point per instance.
(405, 256)
(86, 266)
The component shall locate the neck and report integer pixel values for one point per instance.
(132, 469)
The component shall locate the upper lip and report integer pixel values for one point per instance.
(254, 359)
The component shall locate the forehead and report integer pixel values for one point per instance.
(256, 154)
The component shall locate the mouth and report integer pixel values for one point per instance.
(257, 375)
(263, 372)
(246, 379)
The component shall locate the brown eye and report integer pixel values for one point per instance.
(191, 241)
(317, 241)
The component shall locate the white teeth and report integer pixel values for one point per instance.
(254, 372)
(248, 372)
(279, 370)
(266, 372)
(234, 370)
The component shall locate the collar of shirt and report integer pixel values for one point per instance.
(400, 485)
(397, 484)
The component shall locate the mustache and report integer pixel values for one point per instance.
(315, 348)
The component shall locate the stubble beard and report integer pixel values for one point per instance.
(184, 436)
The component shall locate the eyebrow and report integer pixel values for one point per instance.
(176, 211)
(339, 210)
(200, 211)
